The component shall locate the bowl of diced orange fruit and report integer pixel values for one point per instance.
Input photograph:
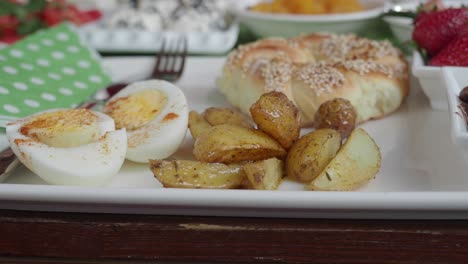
(287, 18)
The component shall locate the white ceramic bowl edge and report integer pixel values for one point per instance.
(289, 25)
(431, 82)
(458, 129)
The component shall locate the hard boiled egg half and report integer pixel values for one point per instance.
(69, 146)
(155, 115)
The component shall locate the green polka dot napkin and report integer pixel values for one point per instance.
(52, 68)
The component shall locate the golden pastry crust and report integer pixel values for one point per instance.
(314, 68)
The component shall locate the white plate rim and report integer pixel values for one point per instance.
(241, 199)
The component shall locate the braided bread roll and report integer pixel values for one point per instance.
(312, 69)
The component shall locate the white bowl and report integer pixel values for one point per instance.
(455, 78)
(288, 25)
(431, 81)
(402, 27)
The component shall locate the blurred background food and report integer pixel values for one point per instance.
(126, 26)
(211, 26)
(20, 18)
(288, 18)
(159, 15)
(312, 7)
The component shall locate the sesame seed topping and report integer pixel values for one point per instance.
(277, 74)
(364, 67)
(237, 55)
(335, 54)
(321, 77)
(349, 47)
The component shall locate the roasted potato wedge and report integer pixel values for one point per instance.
(246, 184)
(265, 174)
(197, 124)
(277, 116)
(220, 116)
(357, 162)
(194, 174)
(311, 153)
(235, 144)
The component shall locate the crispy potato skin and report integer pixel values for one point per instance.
(311, 154)
(220, 116)
(194, 174)
(277, 116)
(235, 144)
(197, 124)
(265, 174)
(357, 162)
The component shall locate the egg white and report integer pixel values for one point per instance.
(91, 164)
(160, 138)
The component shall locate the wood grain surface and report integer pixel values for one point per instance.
(91, 238)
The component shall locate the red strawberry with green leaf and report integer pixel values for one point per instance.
(455, 53)
(434, 30)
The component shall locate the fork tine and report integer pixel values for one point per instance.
(172, 57)
(184, 44)
(170, 62)
(180, 58)
(159, 58)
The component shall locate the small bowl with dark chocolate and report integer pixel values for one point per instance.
(456, 82)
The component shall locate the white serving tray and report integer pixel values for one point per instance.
(134, 41)
(422, 175)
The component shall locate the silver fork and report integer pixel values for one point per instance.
(170, 62)
(169, 66)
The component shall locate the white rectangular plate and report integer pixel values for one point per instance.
(422, 174)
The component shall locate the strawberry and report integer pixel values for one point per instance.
(71, 14)
(10, 39)
(455, 53)
(434, 30)
(427, 8)
(8, 25)
(59, 11)
(51, 16)
(90, 16)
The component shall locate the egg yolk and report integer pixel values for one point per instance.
(63, 128)
(136, 110)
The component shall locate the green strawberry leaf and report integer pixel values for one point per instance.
(36, 5)
(6, 8)
(29, 26)
(20, 12)
(424, 55)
